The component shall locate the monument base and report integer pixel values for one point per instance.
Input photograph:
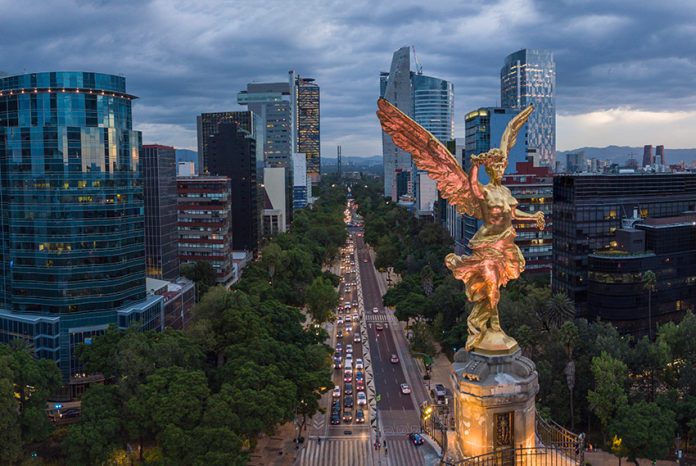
(494, 399)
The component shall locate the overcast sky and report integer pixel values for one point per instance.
(626, 69)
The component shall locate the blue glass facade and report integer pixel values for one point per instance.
(71, 206)
(527, 77)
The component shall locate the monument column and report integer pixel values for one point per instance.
(494, 398)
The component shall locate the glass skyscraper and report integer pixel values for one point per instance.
(306, 119)
(528, 76)
(72, 254)
(430, 102)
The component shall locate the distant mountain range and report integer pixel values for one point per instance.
(620, 154)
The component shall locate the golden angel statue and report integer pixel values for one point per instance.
(495, 258)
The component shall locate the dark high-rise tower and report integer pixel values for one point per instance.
(308, 140)
(159, 180)
(72, 253)
(648, 155)
(232, 153)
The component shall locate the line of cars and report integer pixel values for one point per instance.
(351, 394)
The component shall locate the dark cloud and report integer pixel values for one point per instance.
(182, 58)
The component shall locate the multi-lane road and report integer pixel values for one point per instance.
(390, 415)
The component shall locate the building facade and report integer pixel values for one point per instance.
(72, 252)
(533, 188)
(307, 124)
(528, 76)
(616, 282)
(300, 181)
(395, 86)
(648, 158)
(430, 102)
(433, 109)
(274, 211)
(232, 153)
(484, 129)
(589, 209)
(159, 186)
(204, 222)
(207, 126)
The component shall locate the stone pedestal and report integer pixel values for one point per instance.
(494, 401)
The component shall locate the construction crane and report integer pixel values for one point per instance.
(419, 67)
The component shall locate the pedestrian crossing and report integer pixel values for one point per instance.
(377, 318)
(401, 452)
(336, 452)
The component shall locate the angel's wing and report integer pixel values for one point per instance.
(507, 142)
(429, 155)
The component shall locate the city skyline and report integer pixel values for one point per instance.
(623, 74)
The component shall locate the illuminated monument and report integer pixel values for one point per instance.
(494, 385)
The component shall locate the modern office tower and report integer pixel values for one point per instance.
(528, 76)
(589, 209)
(395, 86)
(159, 182)
(274, 103)
(205, 230)
(575, 162)
(300, 181)
(533, 188)
(616, 289)
(207, 125)
(660, 155)
(433, 108)
(430, 102)
(306, 122)
(648, 155)
(231, 152)
(274, 210)
(484, 128)
(72, 252)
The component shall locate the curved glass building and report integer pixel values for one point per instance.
(71, 209)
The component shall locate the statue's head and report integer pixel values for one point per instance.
(495, 164)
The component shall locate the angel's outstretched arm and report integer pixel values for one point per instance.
(473, 181)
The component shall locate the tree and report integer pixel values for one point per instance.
(644, 429)
(569, 335)
(322, 299)
(413, 306)
(10, 427)
(33, 381)
(272, 259)
(427, 276)
(97, 435)
(202, 274)
(649, 284)
(556, 310)
(609, 394)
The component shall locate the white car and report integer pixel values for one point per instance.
(337, 392)
(349, 357)
(347, 318)
(375, 310)
(362, 399)
(359, 364)
(356, 338)
(349, 349)
(339, 321)
(356, 317)
(405, 389)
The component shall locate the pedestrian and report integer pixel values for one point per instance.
(319, 440)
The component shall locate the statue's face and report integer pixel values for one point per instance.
(496, 170)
